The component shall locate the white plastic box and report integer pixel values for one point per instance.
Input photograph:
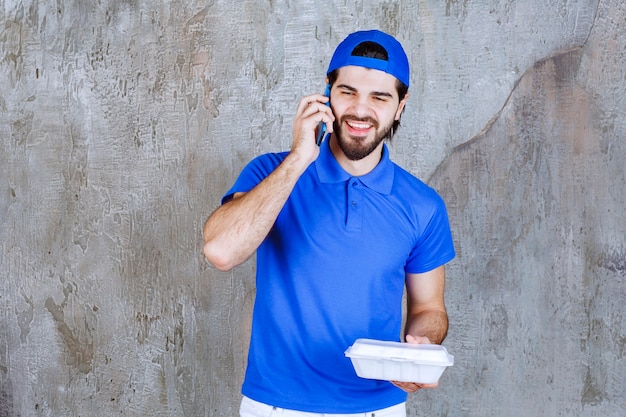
(396, 361)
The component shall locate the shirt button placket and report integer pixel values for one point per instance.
(354, 202)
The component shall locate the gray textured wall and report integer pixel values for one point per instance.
(123, 122)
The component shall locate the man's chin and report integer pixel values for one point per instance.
(356, 151)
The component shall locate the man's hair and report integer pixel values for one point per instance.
(373, 50)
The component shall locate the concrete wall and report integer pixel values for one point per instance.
(123, 122)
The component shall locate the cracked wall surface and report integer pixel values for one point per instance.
(122, 124)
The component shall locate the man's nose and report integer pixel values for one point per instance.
(361, 107)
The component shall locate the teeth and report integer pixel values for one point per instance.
(358, 125)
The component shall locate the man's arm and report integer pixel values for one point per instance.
(236, 229)
(426, 310)
(427, 319)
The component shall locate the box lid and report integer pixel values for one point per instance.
(422, 354)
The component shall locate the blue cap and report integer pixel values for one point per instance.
(396, 65)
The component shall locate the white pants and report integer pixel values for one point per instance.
(251, 408)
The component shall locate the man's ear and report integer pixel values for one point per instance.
(401, 106)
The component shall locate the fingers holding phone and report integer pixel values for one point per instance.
(322, 132)
(313, 122)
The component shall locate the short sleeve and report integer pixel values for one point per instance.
(253, 173)
(434, 246)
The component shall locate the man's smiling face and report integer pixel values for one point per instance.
(365, 103)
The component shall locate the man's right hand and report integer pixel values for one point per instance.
(310, 112)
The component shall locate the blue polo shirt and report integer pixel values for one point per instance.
(332, 270)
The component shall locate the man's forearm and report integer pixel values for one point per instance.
(236, 229)
(432, 324)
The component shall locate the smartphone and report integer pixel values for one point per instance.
(322, 134)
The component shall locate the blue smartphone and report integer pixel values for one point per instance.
(322, 134)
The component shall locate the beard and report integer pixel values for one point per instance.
(357, 148)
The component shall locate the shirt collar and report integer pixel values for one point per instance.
(380, 179)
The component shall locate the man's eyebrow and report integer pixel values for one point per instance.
(373, 93)
(346, 87)
(382, 94)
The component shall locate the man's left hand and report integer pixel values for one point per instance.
(415, 386)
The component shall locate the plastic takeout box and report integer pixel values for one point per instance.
(397, 361)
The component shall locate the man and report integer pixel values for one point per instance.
(339, 230)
